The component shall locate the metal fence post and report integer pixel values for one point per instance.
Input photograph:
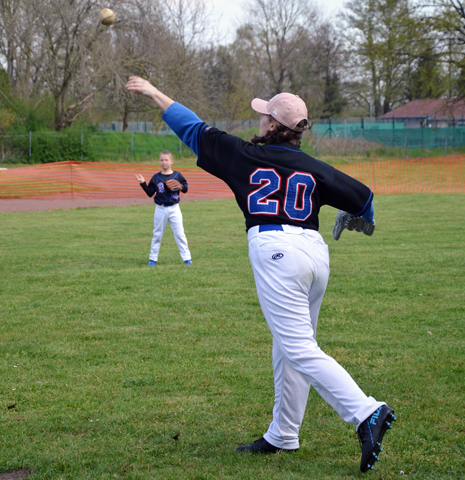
(393, 131)
(72, 182)
(361, 141)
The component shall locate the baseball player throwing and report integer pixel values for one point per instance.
(280, 191)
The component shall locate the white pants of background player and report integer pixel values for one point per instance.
(173, 216)
(291, 270)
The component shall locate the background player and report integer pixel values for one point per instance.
(166, 185)
(280, 191)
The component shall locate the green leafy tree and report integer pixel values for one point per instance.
(382, 37)
(447, 21)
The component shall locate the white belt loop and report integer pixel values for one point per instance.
(252, 232)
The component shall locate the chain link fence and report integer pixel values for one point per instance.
(48, 147)
(142, 141)
(393, 132)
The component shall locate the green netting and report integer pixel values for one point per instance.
(395, 135)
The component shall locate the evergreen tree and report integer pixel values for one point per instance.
(333, 103)
(427, 79)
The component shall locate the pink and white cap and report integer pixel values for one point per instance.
(286, 108)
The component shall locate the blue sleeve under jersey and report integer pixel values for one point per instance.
(369, 215)
(185, 124)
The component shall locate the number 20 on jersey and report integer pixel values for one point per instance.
(297, 198)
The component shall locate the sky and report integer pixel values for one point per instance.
(231, 13)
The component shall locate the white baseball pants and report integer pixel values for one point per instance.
(291, 270)
(173, 216)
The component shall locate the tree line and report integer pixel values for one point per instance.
(59, 66)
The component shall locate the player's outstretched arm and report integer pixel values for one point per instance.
(143, 87)
(182, 121)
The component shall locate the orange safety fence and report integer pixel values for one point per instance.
(74, 179)
(420, 175)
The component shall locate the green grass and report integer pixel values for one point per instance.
(104, 360)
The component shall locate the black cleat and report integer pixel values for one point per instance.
(371, 433)
(262, 446)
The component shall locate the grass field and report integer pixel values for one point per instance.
(111, 369)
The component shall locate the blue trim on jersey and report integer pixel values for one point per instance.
(185, 124)
(367, 210)
(369, 215)
(284, 148)
(174, 178)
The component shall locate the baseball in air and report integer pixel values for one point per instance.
(107, 17)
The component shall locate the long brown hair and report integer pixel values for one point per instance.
(282, 134)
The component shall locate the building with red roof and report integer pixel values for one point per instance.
(435, 112)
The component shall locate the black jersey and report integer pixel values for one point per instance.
(278, 184)
(157, 186)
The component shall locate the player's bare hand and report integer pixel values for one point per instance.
(173, 184)
(140, 178)
(140, 86)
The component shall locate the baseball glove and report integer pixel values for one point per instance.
(173, 185)
(351, 222)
